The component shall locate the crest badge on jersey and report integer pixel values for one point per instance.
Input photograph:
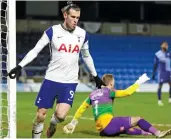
(78, 39)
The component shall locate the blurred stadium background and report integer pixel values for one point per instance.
(124, 37)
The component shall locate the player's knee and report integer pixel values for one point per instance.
(60, 116)
(41, 114)
(138, 118)
(135, 120)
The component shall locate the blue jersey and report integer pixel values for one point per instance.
(163, 60)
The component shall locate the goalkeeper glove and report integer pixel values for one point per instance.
(142, 79)
(15, 72)
(69, 128)
(98, 81)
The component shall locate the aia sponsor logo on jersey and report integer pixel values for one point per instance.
(70, 49)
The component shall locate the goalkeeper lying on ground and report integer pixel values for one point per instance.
(102, 104)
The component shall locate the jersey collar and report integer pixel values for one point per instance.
(66, 29)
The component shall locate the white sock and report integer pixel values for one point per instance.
(159, 101)
(37, 130)
(54, 120)
(157, 133)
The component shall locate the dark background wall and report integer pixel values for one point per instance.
(113, 11)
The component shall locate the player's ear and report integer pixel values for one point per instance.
(111, 84)
(65, 14)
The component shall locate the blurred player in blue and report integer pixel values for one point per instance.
(66, 41)
(162, 62)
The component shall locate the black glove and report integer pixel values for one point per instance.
(14, 72)
(98, 81)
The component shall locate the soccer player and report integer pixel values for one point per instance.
(67, 41)
(102, 104)
(162, 61)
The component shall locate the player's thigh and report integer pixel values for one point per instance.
(46, 96)
(67, 93)
(134, 120)
(62, 110)
(124, 123)
(111, 129)
(117, 126)
(164, 77)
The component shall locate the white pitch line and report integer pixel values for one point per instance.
(83, 118)
(92, 119)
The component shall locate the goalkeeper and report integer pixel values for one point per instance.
(108, 125)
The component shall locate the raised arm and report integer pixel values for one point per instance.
(132, 89)
(127, 92)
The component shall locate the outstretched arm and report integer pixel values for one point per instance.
(130, 90)
(69, 128)
(127, 92)
(32, 54)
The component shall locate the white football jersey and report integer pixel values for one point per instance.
(65, 49)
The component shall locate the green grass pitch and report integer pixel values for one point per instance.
(140, 104)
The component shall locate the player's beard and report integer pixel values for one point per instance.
(69, 28)
(164, 49)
